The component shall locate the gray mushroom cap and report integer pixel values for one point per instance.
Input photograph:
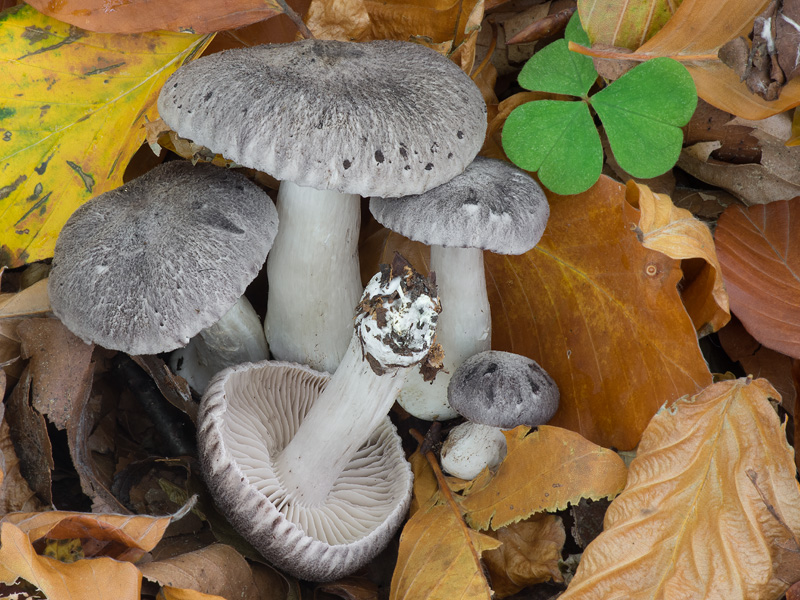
(144, 267)
(492, 205)
(503, 390)
(378, 118)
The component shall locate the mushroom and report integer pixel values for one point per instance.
(493, 206)
(332, 120)
(236, 338)
(307, 467)
(144, 267)
(494, 390)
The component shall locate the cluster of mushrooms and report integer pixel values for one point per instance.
(306, 465)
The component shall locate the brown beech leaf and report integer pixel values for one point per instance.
(700, 27)
(425, 484)
(530, 554)
(138, 16)
(31, 302)
(711, 501)
(61, 367)
(678, 234)
(760, 256)
(544, 470)
(15, 493)
(436, 561)
(601, 314)
(217, 570)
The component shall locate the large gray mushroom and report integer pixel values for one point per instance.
(307, 467)
(146, 266)
(332, 120)
(493, 206)
(494, 391)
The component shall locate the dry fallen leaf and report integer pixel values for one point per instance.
(700, 27)
(435, 561)
(624, 23)
(544, 470)
(692, 522)
(678, 234)
(530, 554)
(760, 258)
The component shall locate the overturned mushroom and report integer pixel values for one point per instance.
(494, 390)
(308, 468)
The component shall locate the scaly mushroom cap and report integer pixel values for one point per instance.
(492, 205)
(503, 390)
(248, 415)
(377, 118)
(144, 267)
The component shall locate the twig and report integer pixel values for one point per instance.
(611, 54)
(488, 56)
(295, 18)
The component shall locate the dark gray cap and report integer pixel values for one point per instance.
(504, 390)
(492, 205)
(378, 118)
(146, 266)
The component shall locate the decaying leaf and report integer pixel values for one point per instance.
(435, 561)
(530, 554)
(700, 27)
(15, 493)
(73, 115)
(601, 314)
(544, 470)
(61, 367)
(138, 16)
(624, 23)
(33, 301)
(758, 251)
(678, 234)
(693, 520)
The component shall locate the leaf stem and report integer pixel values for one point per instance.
(295, 18)
(448, 495)
(613, 55)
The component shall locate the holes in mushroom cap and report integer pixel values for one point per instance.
(460, 135)
(429, 166)
(379, 156)
(346, 164)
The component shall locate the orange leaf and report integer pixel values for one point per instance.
(710, 505)
(760, 255)
(702, 27)
(678, 234)
(601, 314)
(544, 470)
(138, 16)
(97, 578)
(435, 561)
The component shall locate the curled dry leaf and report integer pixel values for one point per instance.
(693, 520)
(61, 367)
(530, 554)
(217, 571)
(138, 16)
(544, 470)
(436, 561)
(700, 27)
(15, 493)
(774, 177)
(678, 234)
(760, 256)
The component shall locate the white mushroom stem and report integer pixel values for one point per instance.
(471, 447)
(395, 326)
(464, 328)
(315, 253)
(236, 338)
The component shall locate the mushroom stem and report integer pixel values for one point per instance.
(236, 338)
(394, 328)
(353, 404)
(315, 252)
(464, 328)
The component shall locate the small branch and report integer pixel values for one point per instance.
(612, 55)
(488, 56)
(448, 495)
(295, 18)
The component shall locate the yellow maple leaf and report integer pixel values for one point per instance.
(72, 110)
